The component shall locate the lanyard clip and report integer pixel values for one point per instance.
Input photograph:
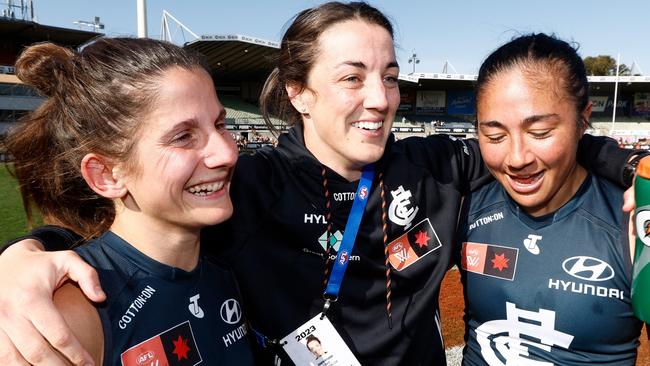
(328, 301)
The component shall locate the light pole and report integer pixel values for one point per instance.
(414, 60)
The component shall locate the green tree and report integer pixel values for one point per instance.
(604, 65)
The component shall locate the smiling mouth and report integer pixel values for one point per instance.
(526, 183)
(369, 126)
(206, 189)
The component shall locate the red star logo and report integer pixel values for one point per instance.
(500, 261)
(180, 348)
(421, 239)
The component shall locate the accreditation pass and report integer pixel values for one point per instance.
(317, 343)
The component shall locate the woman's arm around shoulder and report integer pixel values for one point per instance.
(82, 317)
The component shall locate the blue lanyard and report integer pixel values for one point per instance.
(349, 235)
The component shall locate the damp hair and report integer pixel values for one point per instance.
(299, 50)
(542, 58)
(95, 101)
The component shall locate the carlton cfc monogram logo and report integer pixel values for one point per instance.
(399, 211)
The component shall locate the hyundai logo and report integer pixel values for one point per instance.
(231, 311)
(588, 268)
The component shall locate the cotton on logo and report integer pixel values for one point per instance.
(588, 268)
(231, 311)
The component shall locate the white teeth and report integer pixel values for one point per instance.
(368, 125)
(205, 189)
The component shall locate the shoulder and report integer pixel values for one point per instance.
(259, 169)
(440, 144)
(82, 318)
(485, 198)
(604, 200)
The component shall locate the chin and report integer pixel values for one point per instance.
(370, 155)
(218, 215)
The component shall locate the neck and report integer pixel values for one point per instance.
(350, 174)
(331, 158)
(164, 242)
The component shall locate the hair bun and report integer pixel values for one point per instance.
(45, 66)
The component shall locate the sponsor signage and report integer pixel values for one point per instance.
(407, 129)
(173, 347)
(490, 260)
(410, 247)
(599, 103)
(588, 268)
(455, 130)
(430, 101)
(604, 104)
(641, 105)
(407, 101)
(238, 37)
(461, 102)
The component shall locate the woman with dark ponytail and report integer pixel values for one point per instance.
(547, 281)
(340, 231)
(118, 116)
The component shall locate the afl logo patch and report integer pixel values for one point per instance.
(642, 223)
(363, 193)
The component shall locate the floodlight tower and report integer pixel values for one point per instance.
(414, 60)
(142, 18)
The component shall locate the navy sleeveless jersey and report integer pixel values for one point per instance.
(159, 315)
(551, 290)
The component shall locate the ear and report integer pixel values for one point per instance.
(102, 177)
(586, 115)
(297, 96)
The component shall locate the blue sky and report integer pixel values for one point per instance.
(460, 31)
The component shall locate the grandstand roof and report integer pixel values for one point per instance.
(22, 33)
(235, 56)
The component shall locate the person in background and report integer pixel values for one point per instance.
(336, 83)
(118, 116)
(545, 255)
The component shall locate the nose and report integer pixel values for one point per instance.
(519, 154)
(376, 94)
(220, 150)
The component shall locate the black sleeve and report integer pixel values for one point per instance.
(52, 237)
(602, 156)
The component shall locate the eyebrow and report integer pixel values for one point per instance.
(188, 123)
(526, 121)
(361, 65)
